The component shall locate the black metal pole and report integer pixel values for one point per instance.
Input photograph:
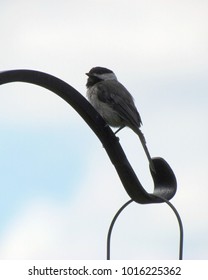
(164, 179)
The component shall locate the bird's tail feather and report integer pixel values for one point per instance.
(143, 141)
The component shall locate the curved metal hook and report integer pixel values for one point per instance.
(130, 201)
(164, 179)
(180, 226)
(112, 225)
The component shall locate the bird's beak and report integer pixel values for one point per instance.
(88, 74)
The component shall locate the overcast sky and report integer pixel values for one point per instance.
(59, 190)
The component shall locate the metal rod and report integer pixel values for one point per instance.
(112, 224)
(126, 204)
(164, 179)
(179, 222)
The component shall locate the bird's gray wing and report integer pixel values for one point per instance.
(120, 100)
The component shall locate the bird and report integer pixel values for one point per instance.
(114, 103)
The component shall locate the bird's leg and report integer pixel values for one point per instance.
(119, 129)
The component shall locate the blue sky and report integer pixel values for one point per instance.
(58, 188)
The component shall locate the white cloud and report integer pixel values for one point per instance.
(75, 229)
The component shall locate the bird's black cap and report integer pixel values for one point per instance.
(98, 70)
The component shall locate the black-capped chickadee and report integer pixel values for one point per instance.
(114, 103)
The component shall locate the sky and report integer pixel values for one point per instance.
(59, 190)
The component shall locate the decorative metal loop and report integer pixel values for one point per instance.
(130, 201)
(164, 179)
